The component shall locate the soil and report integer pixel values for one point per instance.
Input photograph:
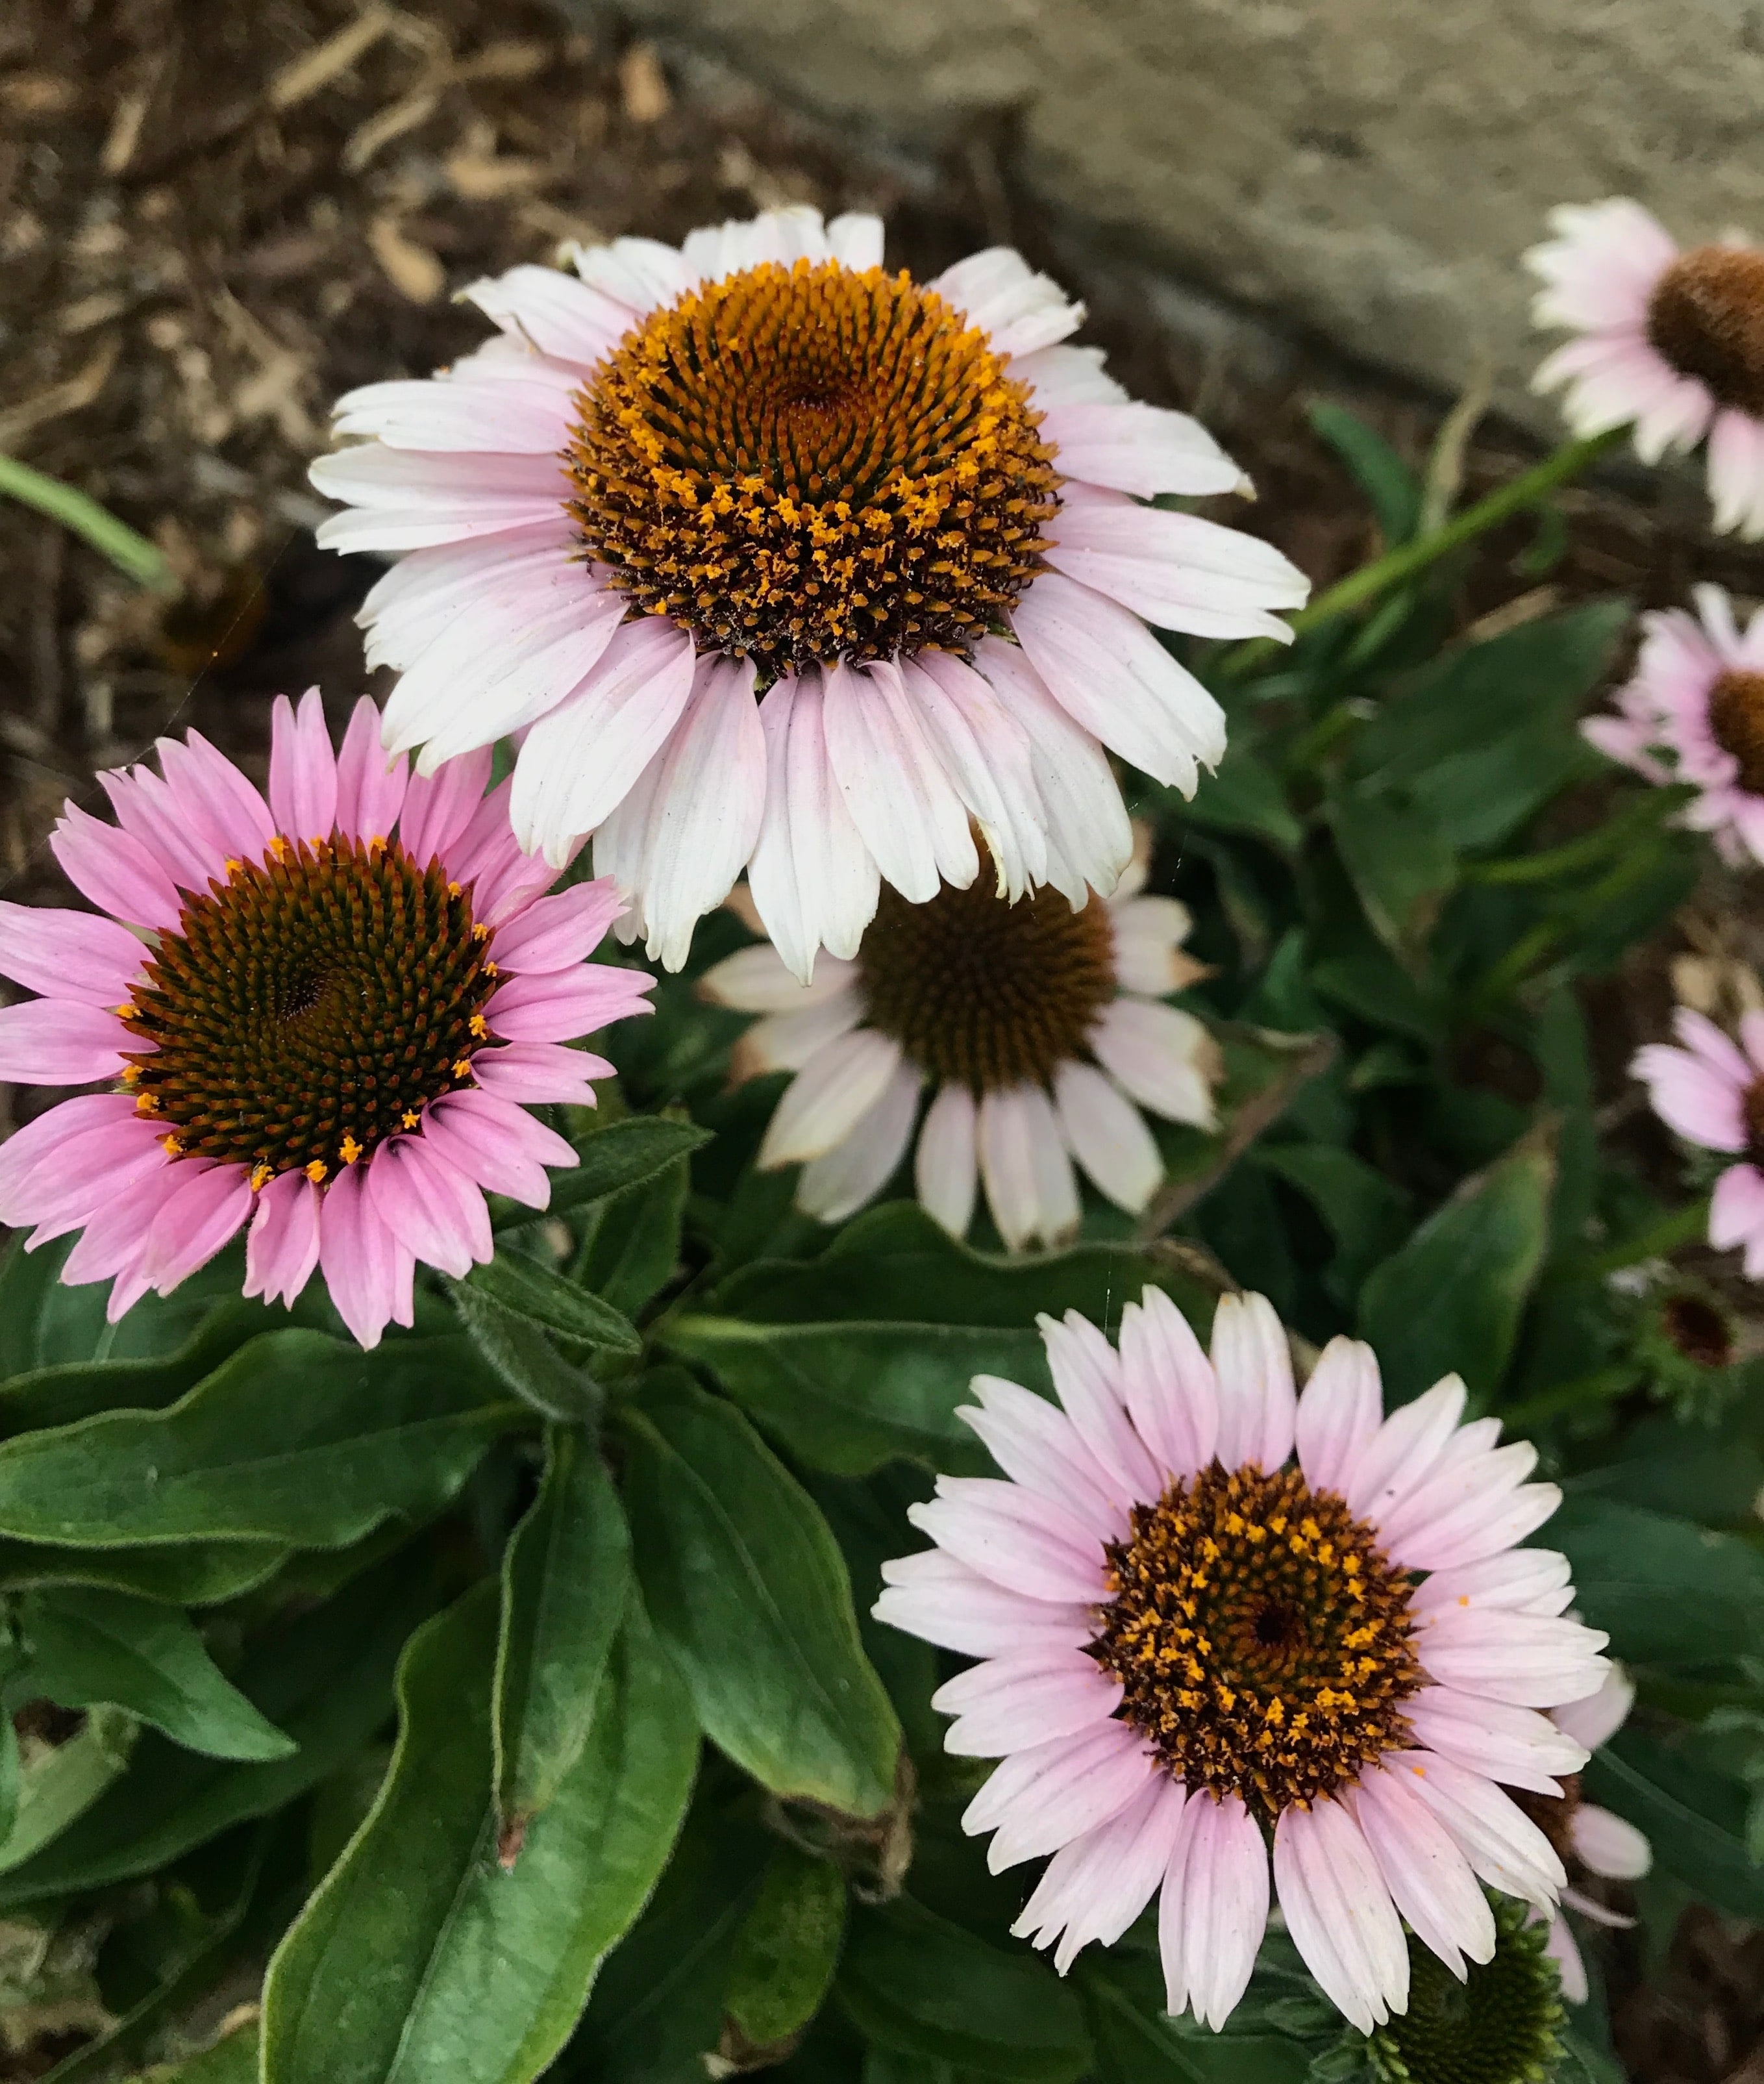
(215, 218)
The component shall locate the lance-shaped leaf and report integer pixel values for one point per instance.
(525, 1288)
(624, 1153)
(297, 1438)
(566, 1577)
(748, 1590)
(89, 1647)
(420, 1958)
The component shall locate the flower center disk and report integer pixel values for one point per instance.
(310, 1007)
(811, 464)
(1262, 1639)
(983, 991)
(1736, 724)
(1705, 317)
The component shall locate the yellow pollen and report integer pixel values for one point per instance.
(146, 1103)
(316, 1171)
(260, 1178)
(463, 1067)
(171, 1146)
(349, 1150)
(409, 1118)
(479, 1025)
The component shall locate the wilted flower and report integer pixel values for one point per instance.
(1673, 341)
(1191, 1645)
(904, 512)
(325, 1024)
(1036, 1025)
(1694, 712)
(1711, 1092)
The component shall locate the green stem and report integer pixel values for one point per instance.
(1408, 559)
(143, 561)
(1573, 855)
(1683, 1226)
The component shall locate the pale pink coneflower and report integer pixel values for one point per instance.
(327, 1023)
(1195, 1652)
(1693, 712)
(1037, 1028)
(777, 561)
(1587, 1837)
(1710, 1091)
(1672, 341)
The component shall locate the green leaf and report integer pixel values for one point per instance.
(787, 1949)
(1242, 794)
(297, 1438)
(199, 1573)
(63, 1784)
(1694, 1818)
(566, 1577)
(631, 1242)
(233, 2061)
(1399, 861)
(89, 1647)
(1138, 2043)
(1451, 1299)
(324, 1679)
(866, 1353)
(1386, 479)
(916, 1982)
(1667, 1592)
(1366, 1212)
(749, 1593)
(63, 1393)
(624, 1153)
(527, 1360)
(421, 1957)
(525, 1288)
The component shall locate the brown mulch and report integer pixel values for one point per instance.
(216, 217)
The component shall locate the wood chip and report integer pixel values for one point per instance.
(413, 270)
(483, 179)
(379, 130)
(38, 94)
(643, 86)
(124, 133)
(306, 76)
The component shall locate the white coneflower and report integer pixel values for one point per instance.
(1196, 1651)
(1037, 1029)
(903, 512)
(1673, 341)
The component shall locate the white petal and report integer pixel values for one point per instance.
(1108, 1136)
(900, 799)
(838, 1182)
(1164, 1057)
(828, 1098)
(1029, 1183)
(946, 1169)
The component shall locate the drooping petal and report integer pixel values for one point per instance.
(1214, 1909)
(1340, 1912)
(1108, 1136)
(1597, 1717)
(1609, 1846)
(281, 1247)
(902, 800)
(1095, 1886)
(829, 1096)
(1041, 1799)
(62, 1042)
(1428, 1877)
(1164, 1057)
(1030, 1186)
(838, 1182)
(368, 1271)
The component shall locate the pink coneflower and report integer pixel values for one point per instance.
(337, 1003)
(1673, 341)
(1694, 712)
(1191, 1648)
(774, 557)
(1711, 1092)
(1587, 1837)
(1036, 1026)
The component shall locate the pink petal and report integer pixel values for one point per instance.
(1339, 1913)
(1108, 1136)
(1172, 1395)
(1095, 1886)
(1526, 1581)
(1087, 1379)
(556, 933)
(536, 1073)
(31, 1158)
(303, 770)
(1609, 1844)
(177, 832)
(202, 776)
(1500, 1842)
(371, 785)
(434, 1211)
(69, 955)
(1253, 1363)
(115, 871)
(557, 1005)
(829, 1096)
(1516, 1745)
(1007, 1703)
(281, 1247)
(1037, 1445)
(840, 1181)
(1428, 1876)
(206, 1211)
(368, 1271)
(1691, 1097)
(438, 807)
(1528, 1660)
(1162, 1055)
(1405, 1450)
(1028, 1543)
(1597, 1717)
(1338, 1413)
(60, 1042)
(1040, 1799)
(1137, 448)
(82, 1176)
(1029, 1186)
(941, 1599)
(1563, 1948)
(946, 1166)
(114, 1239)
(1215, 1908)
(901, 799)
(1736, 1207)
(553, 311)
(496, 1144)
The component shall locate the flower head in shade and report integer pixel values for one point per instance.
(1672, 340)
(1694, 712)
(325, 1025)
(1196, 1644)
(776, 558)
(1710, 1091)
(1035, 1025)
(1589, 1840)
